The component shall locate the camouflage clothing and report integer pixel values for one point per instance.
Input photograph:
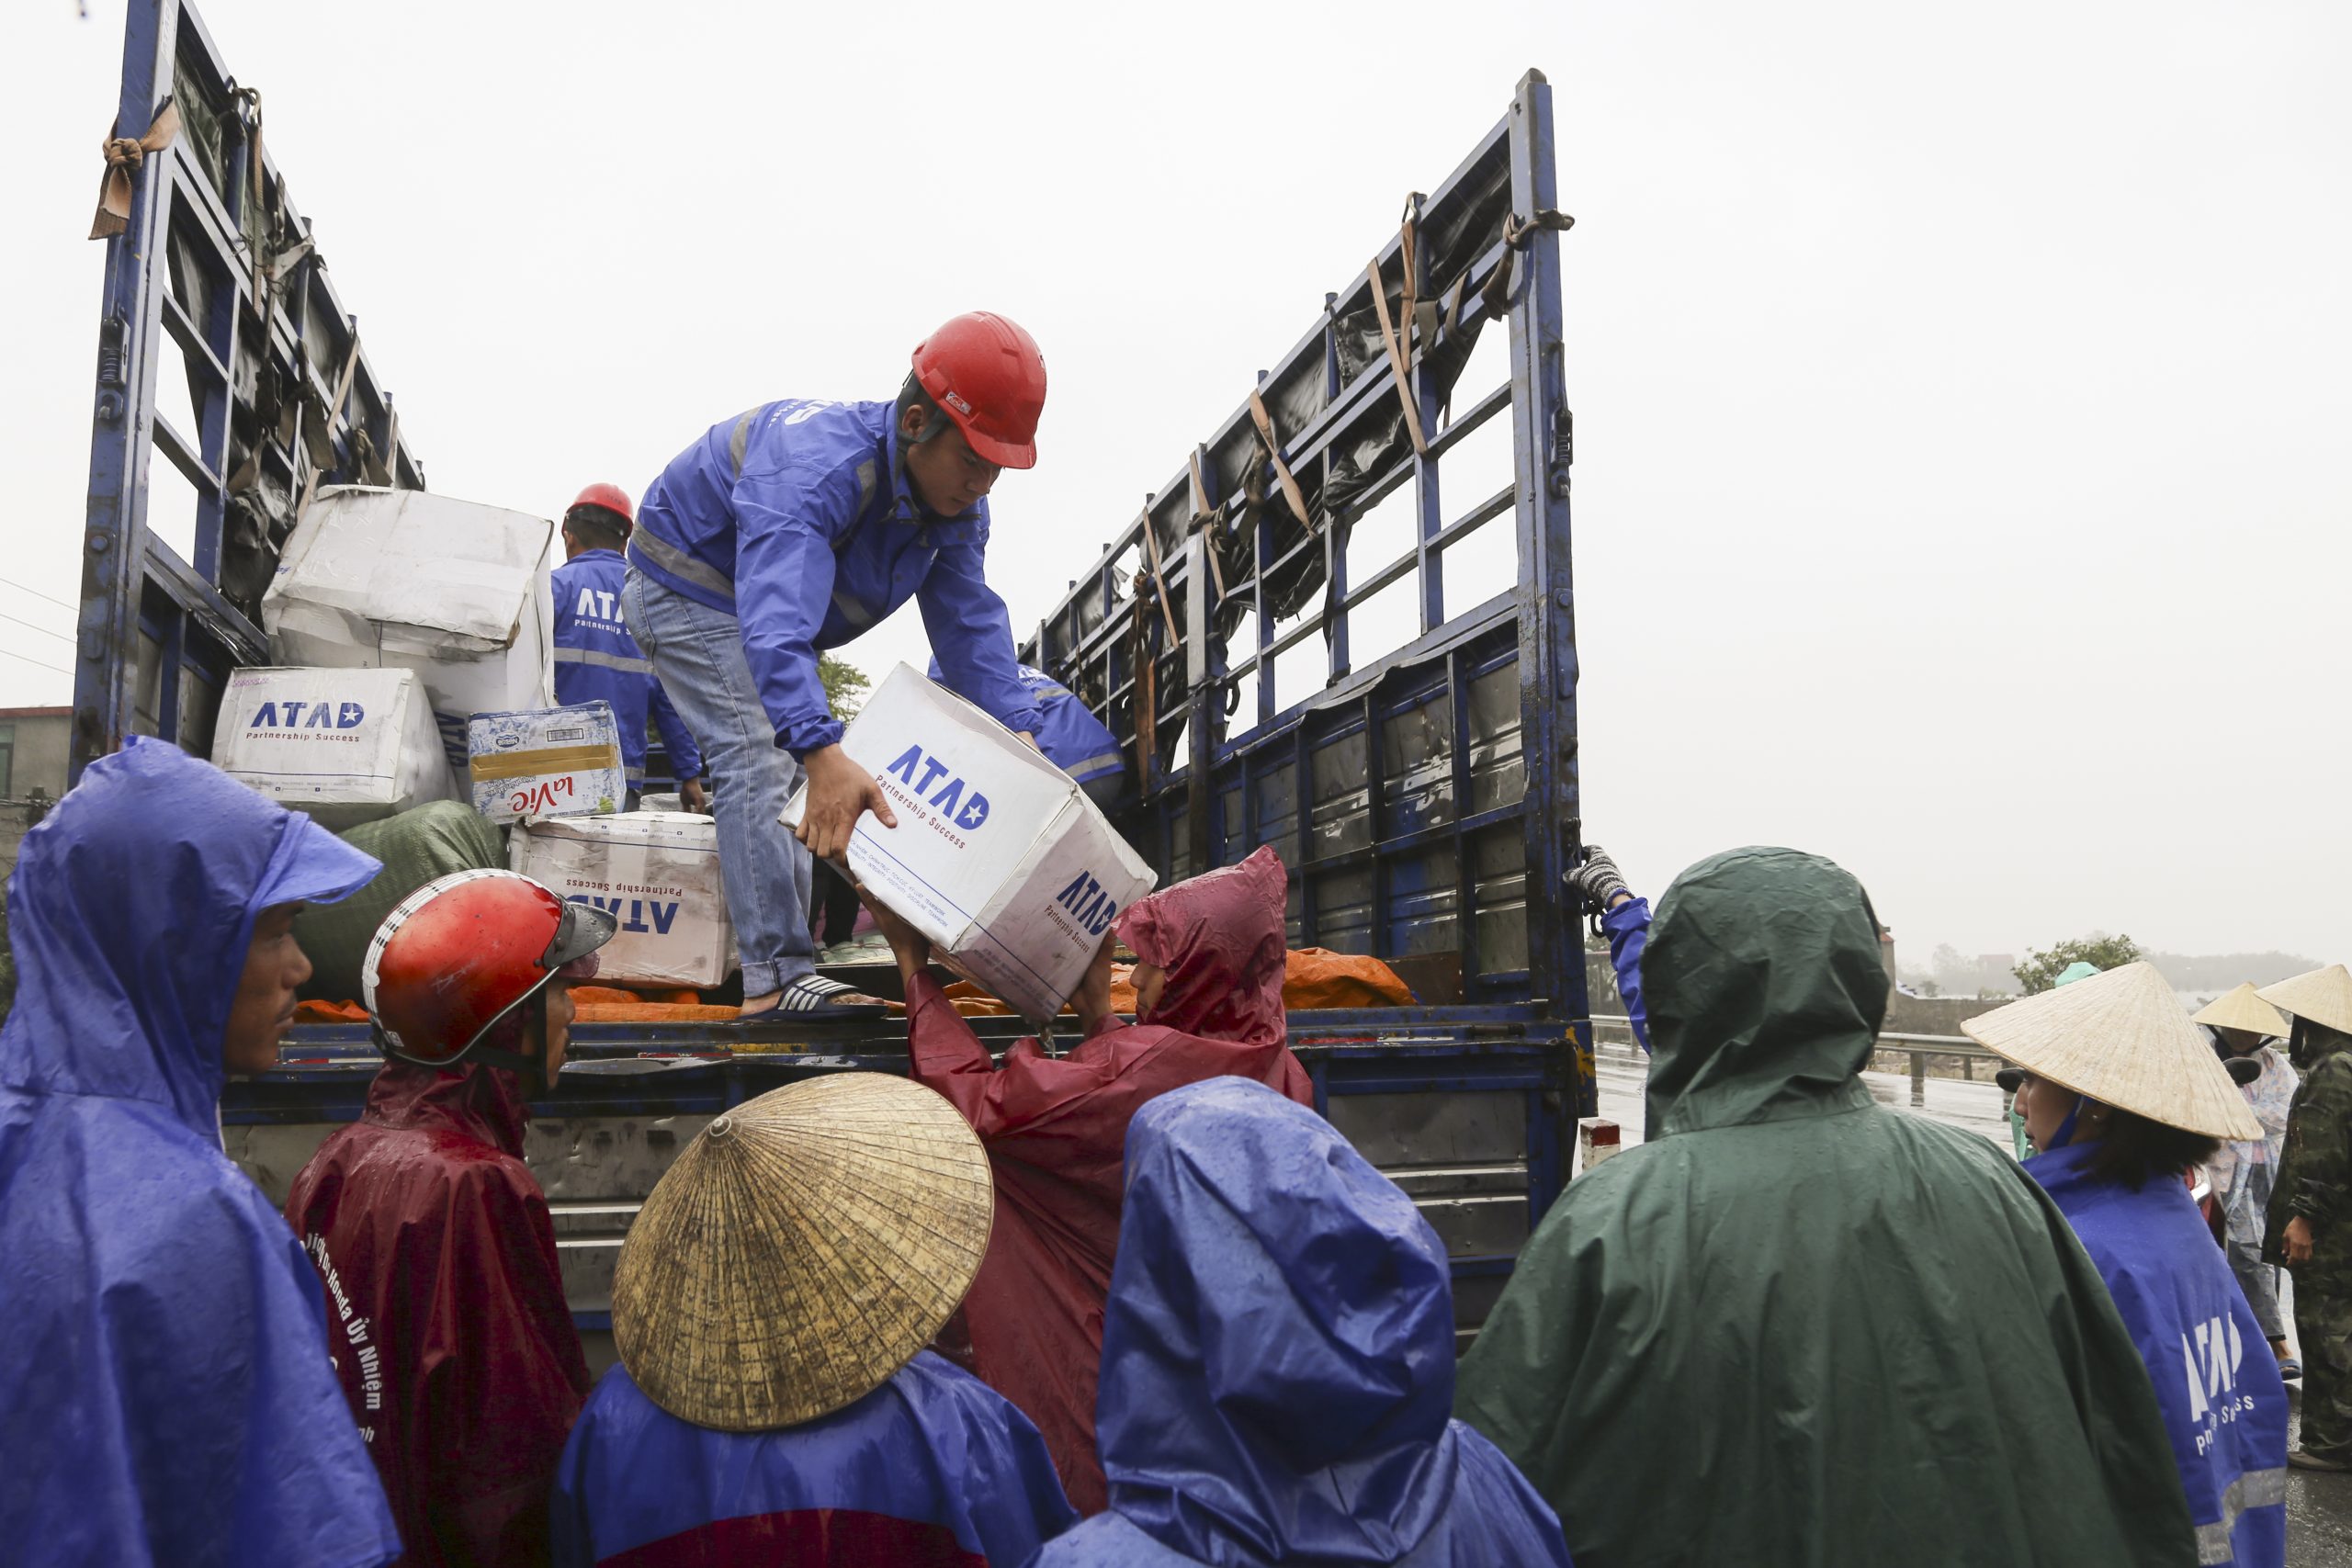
(2316, 1182)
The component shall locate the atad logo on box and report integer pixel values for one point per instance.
(323, 715)
(1093, 909)
(967, 811)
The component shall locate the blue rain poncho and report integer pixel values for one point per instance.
(164, 1371)
(1278, 1361)
(933, 1468)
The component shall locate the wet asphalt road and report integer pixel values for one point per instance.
(2319, 1507)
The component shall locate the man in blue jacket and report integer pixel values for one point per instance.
(790, 529)
(1073, 739)
(595, 656)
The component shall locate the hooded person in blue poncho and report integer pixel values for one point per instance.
(1278, 1361)
(2122, 1095)
(164, 1377)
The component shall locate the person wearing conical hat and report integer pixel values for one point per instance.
(775, 1403)
(2243, 1174)
(1796, 1328)
(2310, 1222)
(2123, 1095)
(1210, 961)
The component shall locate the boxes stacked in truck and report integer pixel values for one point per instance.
(348, 746)
(998, 858)
(456, 592)
(658, 872)
(547, 762)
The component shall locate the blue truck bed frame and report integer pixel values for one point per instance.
(1425, 801)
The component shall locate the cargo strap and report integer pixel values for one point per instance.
(1291, 492)
(1205, 519)
(1159, 580)
(124, 155)
(1145, 668)
(1516, 237)
(335, 411)
(1399, 350)
(604, 661)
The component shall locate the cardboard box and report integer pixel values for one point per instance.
(547, 762)
(657, 871)
(998, 857)
(401, 579)
(346, 746)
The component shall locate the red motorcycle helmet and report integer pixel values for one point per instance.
(613, 498)
(988, 377)
(460, 957)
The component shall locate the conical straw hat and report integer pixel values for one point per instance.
(803, 1248)
(2122, 1038)
(2242, 1008)
(2324, 996)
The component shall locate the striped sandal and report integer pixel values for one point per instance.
(813, 994)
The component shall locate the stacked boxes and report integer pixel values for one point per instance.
(658, 872)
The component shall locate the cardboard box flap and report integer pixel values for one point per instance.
(420, 572)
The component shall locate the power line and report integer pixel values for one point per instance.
(61, 603)
(29, 625)
(42, 662)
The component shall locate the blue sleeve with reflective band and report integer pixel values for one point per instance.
(1628, 926)
(971, 635)
(784, 584)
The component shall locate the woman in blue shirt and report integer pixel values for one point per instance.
(2124, 1097)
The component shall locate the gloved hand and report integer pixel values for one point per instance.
(1597, 881)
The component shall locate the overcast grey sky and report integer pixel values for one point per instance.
(1961, 392)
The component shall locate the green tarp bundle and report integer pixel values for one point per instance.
(415, 847)
(1797, 1327)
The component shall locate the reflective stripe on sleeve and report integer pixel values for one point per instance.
(663, 555)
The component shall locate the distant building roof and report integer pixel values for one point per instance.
(36, 713)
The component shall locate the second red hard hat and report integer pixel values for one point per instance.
(987, 374)
(612, 497)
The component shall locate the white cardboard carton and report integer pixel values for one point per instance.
(998, 857)
(348, 746)
(657, 870)
(547, 762)
(401, 579)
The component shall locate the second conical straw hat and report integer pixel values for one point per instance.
(2122, 1039)
(2242, 1008)
(2324, 996)
(801, 1249)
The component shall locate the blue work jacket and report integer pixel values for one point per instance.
(1278, 1361)
(166, 1395)
(2224, 1407)
(1069, 734)
(933, 1468)
(796, 518)
(597, 658)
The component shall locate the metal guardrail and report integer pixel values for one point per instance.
(1918, 1047)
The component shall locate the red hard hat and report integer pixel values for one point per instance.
(456, 958)
(613, 498)
(989, 376)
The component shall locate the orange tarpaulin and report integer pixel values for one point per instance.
(1312, 978)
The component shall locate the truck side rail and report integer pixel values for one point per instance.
(1424, 796)
(216, 289)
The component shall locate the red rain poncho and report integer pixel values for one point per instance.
(1057, 1130)
(447, 1309)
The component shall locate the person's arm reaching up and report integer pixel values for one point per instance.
(1627, 920)
(971, 635)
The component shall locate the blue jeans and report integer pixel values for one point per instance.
(697, 652)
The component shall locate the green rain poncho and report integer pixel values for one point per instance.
(1795, 1328)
